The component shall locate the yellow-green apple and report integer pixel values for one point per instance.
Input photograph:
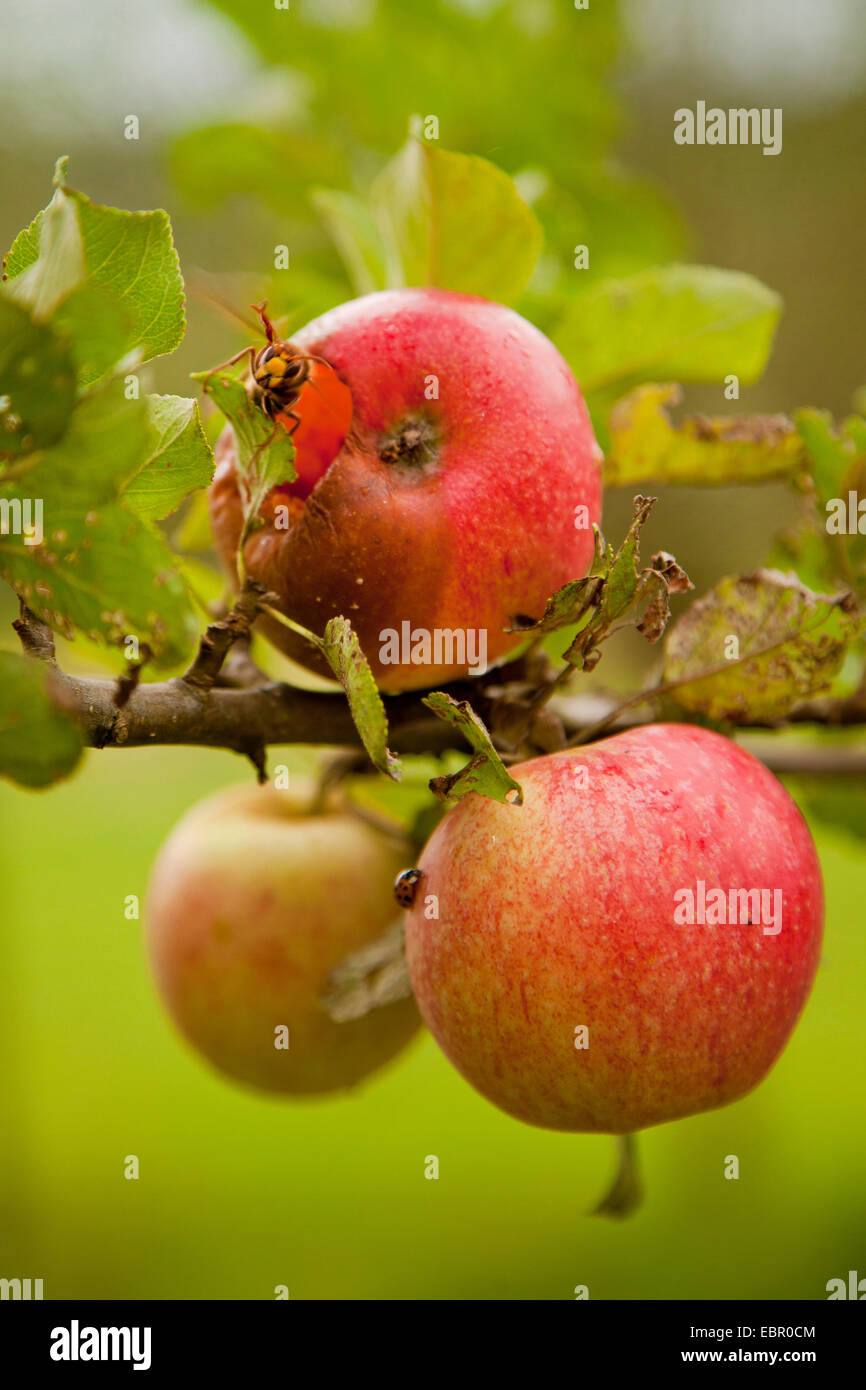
(460, 496)
(253, 900)
(632, 944)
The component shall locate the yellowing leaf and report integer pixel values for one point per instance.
(756, 645)
(645, 444)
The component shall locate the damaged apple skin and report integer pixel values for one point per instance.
(462, 496)
(559, 915)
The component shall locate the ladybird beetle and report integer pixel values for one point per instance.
(406, 886)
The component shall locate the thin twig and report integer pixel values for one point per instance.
(35, 637)
(239, 670)
(221, 635)
(129, 679)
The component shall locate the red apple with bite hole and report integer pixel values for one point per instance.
(255, 897)
(599, 961)
(448, 483)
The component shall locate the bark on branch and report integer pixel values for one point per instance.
(247, 712)
(248, 720)
(174, 712)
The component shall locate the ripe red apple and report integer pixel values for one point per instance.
(463, 495)
(570, 912)
(252, 902)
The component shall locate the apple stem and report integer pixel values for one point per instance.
(290, 623)
(626, 1192)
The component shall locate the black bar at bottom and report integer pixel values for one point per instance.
(66, 1338)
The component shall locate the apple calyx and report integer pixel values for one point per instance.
(415, 443)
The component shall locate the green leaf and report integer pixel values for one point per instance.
(756, 645)
(455, 221)
(803, 548)
(103, 446)
(253, 429)
(485, 773)
(355, 235)
(179, 459)
(646, 445)
(97, 566)
(623, 578)
(128, 255)
(616, 586)
(832, 452)
(342, 650)
(37, 383)
(571, 604)
(60, 266)
(132, 256)
(265, 452)
(23, 251)
(836, 458)
(688, 322)
(96, 330)
(855, 428)
(39, 741)
(106, 572)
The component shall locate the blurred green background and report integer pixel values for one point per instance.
(242, 111)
